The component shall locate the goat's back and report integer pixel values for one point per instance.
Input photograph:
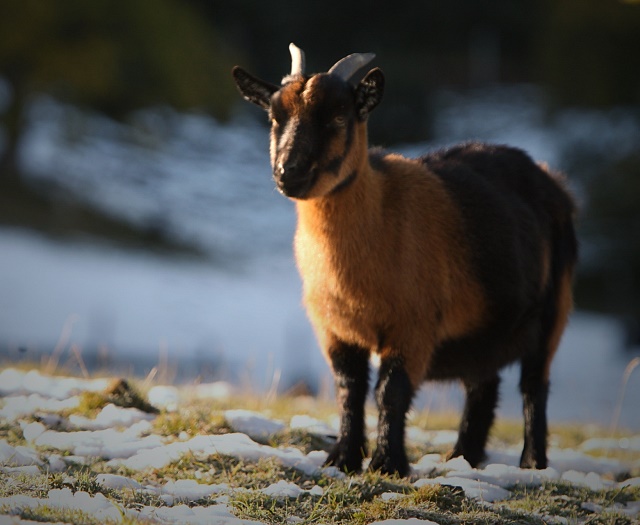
(518, 223)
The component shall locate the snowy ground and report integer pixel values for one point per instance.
(125, 439)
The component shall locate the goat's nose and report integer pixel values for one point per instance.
(286, 167)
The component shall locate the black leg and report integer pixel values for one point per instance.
(393, 395)
(351, 370)
(534, 388)
(477, 418)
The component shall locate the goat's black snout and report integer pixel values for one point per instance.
(292, 179)
(288, 169)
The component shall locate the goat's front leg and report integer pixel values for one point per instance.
(394, 392)
(350, 366)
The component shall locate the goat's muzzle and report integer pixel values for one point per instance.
(294, 181)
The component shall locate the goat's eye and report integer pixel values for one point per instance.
(339, 121)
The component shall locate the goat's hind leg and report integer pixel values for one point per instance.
(350, 366)
(477, 418)
(534, 387)
(534, 379)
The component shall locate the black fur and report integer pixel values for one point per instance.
(253, 89)
(477, 418)
(377, 159)
(393, 395)
(369, 93)
(350, 366)
(534, 400)
(509, 206)
(345, 183)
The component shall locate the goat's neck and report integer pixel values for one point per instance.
(352, 215)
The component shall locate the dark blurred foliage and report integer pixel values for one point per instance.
(609, 275)
(116, 57)
(113, 57)
(589, 52)
(421, 46)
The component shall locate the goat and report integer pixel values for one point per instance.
(447, 267)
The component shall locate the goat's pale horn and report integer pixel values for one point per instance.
(351, 64)
(297, 60)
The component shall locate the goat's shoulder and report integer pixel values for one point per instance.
(397, 169)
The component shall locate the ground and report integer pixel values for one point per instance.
(108, 450)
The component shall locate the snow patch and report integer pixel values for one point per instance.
(286, 489)
(411, 521)
(312, 425)
(254, 424)
(507, 475)
(190, 490)
(590, 480)
(17, 456)
(98, 506)
(480, 490)
(166, 397)
(108, 443)
(283, 489)
(115, 482)
(236, 444)
(183, 514)
(13, 381)
(18, 406)
(111, 416)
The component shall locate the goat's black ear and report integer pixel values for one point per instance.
(369, 92)
(253, 89)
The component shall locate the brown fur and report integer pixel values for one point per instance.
(365, 269)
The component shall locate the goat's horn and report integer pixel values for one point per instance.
(297, 60)
(349, 65)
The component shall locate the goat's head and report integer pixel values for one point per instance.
(315, 121)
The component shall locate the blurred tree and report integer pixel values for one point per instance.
(609, 280)
(421, 46)
(589, 59)
(113, 57)
(589, 52)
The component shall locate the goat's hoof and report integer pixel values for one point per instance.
(392, 464)
(345, 461)
(473, 458)
(529, 460)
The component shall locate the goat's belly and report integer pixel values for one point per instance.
(472, 358)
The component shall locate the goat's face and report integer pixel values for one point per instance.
(315, 121)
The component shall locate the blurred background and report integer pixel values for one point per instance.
(139, 225)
